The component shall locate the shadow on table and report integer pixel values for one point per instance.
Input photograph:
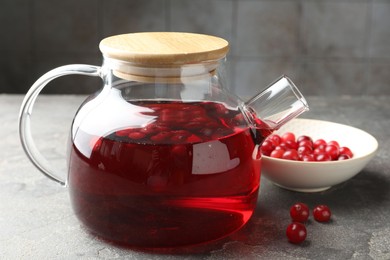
(368, 189)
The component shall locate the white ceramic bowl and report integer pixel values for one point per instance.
(319, 176)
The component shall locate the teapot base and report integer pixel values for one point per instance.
(167, 223)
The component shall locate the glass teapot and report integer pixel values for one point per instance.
(163, 155)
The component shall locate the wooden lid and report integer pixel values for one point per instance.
(164, 48)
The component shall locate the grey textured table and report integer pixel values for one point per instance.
(37, 222)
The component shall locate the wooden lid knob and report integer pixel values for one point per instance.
(155, 49)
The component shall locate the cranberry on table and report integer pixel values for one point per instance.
(299, 212)
(296, 232)
(322, 213)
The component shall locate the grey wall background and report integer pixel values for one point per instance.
(328, 47)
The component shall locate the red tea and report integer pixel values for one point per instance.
(190, 175)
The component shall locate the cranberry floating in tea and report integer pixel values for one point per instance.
(164, 155)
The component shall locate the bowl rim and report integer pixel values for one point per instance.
(363, 156)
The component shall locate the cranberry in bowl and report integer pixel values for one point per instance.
(309, 155)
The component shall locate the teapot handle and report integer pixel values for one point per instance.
(26, 111)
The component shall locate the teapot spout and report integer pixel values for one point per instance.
(279, 103)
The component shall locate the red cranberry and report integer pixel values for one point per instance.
(322, 157)
(304, 138)
(296, 232)
(160, 137)
(267, 147)
(275, 139)
(322, 213)
(198, 111)
(221, 109)
(307, 158)
(206, 131)
(320, 148)
(291, 155)
(305, 143)
(179, 150)
(124, 132)
(152, 129)
(291, 144)
(335, 143)
(319, 142)
(168, 115)
(239, 119)
(332, 150)
(179, 136)
(194, 125)
(299, 212)
(304, 150)
(284, 146)
(277, 153)
(279, 148)
(136, 135)
(347, 151)
(343, 157)
(288, 136)
(194, 139)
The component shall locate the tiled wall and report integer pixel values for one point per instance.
(328, 47)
